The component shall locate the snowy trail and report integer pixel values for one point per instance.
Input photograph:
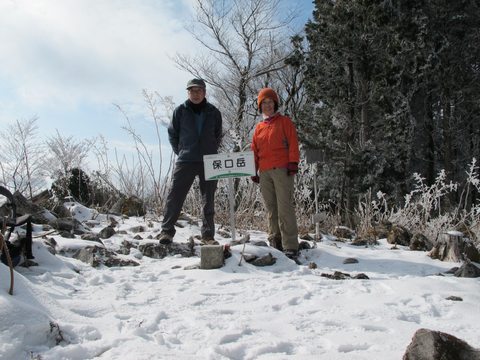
(159, 310)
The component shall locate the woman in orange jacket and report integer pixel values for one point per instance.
(275, 147)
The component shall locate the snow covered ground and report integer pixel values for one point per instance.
(159, 310)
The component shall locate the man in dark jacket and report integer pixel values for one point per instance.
(195, 130)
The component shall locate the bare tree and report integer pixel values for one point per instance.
(245, 45)
(20, 155)
(142, 176)
(100, 150)
(289, 80)
(66, 153)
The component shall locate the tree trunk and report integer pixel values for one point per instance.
(447, 137)
(422, 160)
(448, 247)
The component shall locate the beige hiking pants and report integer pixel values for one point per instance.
(277, 191)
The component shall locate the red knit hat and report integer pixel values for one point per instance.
(267, 93)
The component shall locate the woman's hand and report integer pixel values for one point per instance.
(292, 168)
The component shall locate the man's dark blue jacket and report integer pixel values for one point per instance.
(193, 135)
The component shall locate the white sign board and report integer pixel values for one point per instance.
(229, 165)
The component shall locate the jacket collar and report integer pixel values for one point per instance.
(197, 108)
(271, 118)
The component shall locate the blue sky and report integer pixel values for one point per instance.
(68, 61)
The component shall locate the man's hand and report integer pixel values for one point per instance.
(255, 179)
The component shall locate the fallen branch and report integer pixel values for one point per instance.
(45, 234)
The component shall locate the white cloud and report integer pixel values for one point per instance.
(67, 61)
(63, 52)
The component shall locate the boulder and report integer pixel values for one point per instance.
(420, 242)
(159, 251)
(344, 233)
(266, 260)
(91, 237)
(39, 214)
(468, 270)
(106, 232)
(399, 235)
(96, 256)
(137, 229)
(70, 224)
(434, 345)
(129, 206)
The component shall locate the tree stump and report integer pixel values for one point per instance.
(448, 247)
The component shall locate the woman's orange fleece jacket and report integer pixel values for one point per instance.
(275, 143)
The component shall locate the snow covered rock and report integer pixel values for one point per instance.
(435, 345)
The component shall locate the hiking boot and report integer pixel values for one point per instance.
(275, 242)
(165, 238)
(27, 263)
(209, 241)
(291, 254)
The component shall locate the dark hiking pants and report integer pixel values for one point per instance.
(183, 176)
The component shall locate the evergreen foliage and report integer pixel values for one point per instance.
(75, 184)
(392, 89)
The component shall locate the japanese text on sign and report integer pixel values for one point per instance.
(218, 166)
